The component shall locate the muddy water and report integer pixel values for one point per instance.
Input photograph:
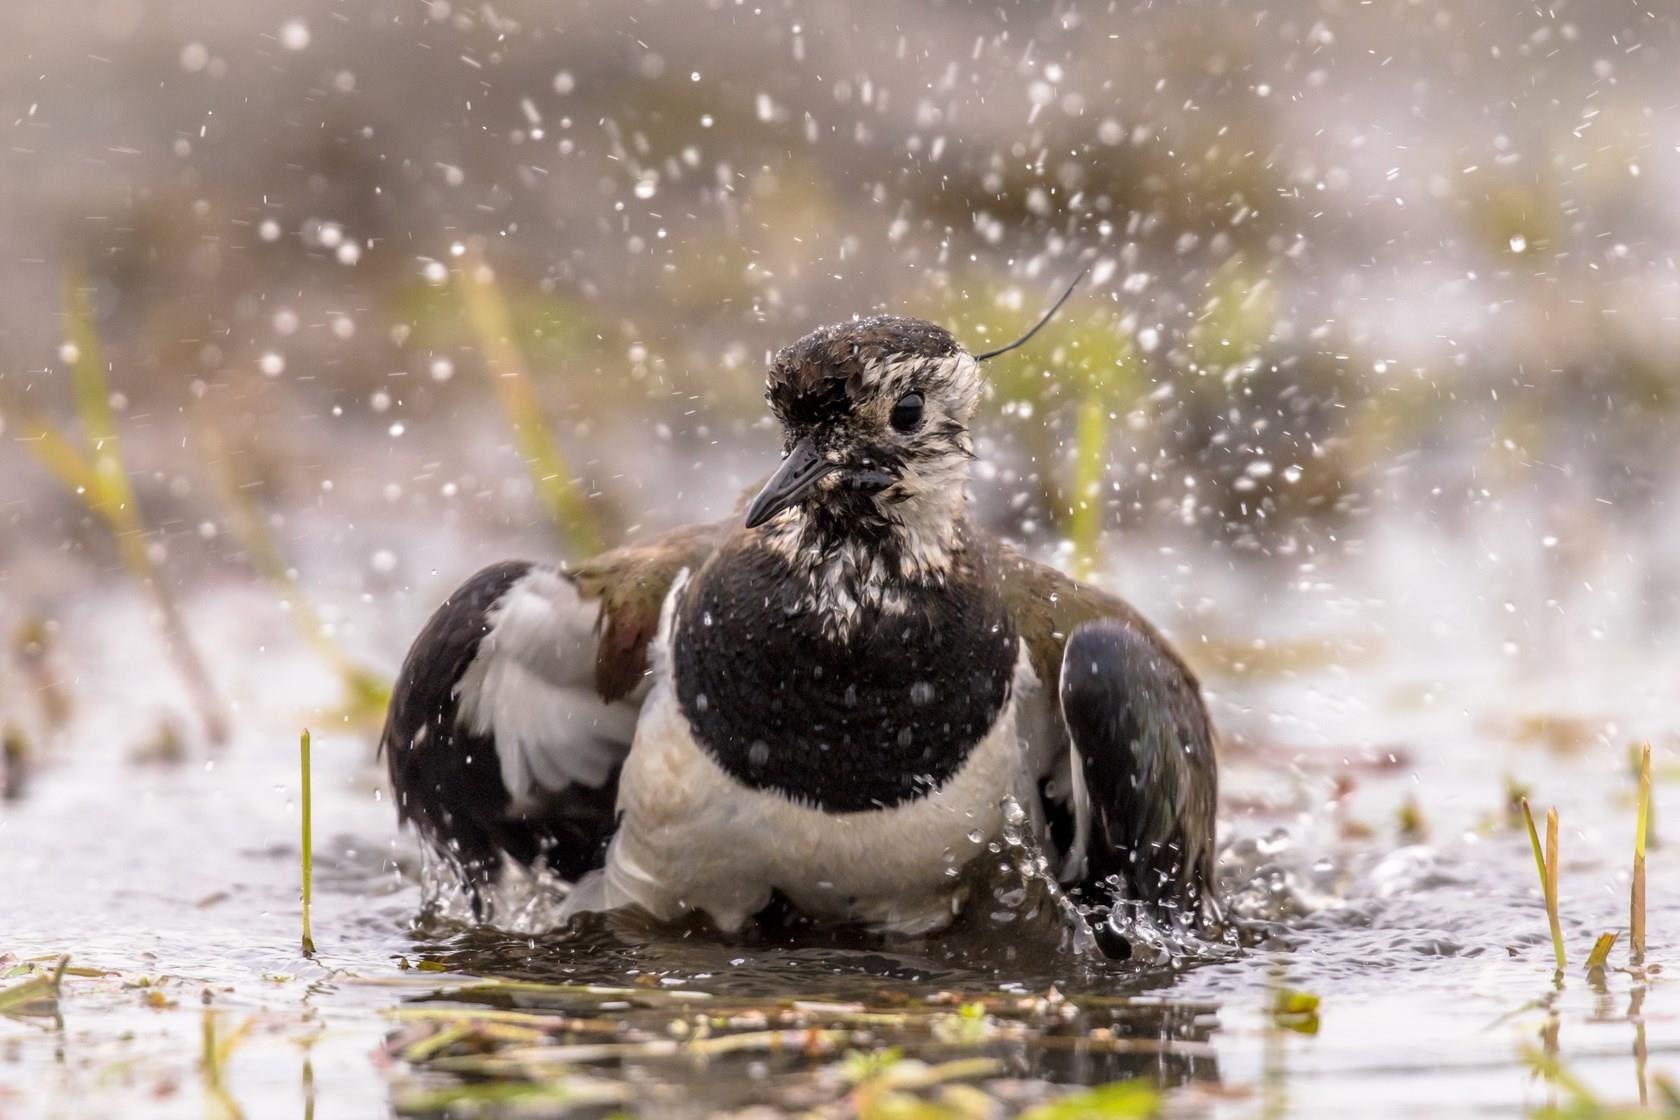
(1406, 681)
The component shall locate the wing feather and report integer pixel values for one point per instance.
(1125, 761)
(517, 704)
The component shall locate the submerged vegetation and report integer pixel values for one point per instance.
(928, 1055)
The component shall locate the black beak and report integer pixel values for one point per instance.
(799, 473)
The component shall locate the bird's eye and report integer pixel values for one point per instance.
(907, 413)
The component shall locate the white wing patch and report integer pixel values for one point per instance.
(531, 688)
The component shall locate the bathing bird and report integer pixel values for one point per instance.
(838, 699)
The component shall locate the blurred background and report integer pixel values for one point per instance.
(374, 292)
(312, 308)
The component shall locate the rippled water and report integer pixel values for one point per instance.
(1391, 689)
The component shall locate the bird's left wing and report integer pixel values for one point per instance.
(517, 704)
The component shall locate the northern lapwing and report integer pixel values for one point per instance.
(841, 696)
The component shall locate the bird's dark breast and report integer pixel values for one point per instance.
(885, 717)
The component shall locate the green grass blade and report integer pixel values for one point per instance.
(99, 479)
(1553, 859)
(1636, 904)
(1089, 467)
(1534, 840)
(308, 844)
(366, 693)
(1545, 863)
(557, 488)
(92, 394)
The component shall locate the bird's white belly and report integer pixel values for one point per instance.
(693, 838)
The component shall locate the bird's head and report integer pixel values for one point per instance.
(874, 417)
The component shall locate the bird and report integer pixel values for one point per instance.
(833, 701)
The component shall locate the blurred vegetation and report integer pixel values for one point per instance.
(493, 328)
(556, 264)
(92, 469)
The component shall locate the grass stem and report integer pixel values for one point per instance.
(308, 844)
(367, 694)
(1546, 861)
(1090, 465)
(1636, 914)
(1552, 861)
(94, 472)
(557, 487)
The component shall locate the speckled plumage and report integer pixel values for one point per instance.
(855, 664)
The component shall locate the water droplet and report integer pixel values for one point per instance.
(921, 693)
(294, 35)
(758, 754)
(701, 703)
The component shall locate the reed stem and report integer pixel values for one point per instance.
(308, 844)
(1546, 862)
(1552, 860)
(557, 487)
(94, 472)
(1636, 915)
(1090, 461)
